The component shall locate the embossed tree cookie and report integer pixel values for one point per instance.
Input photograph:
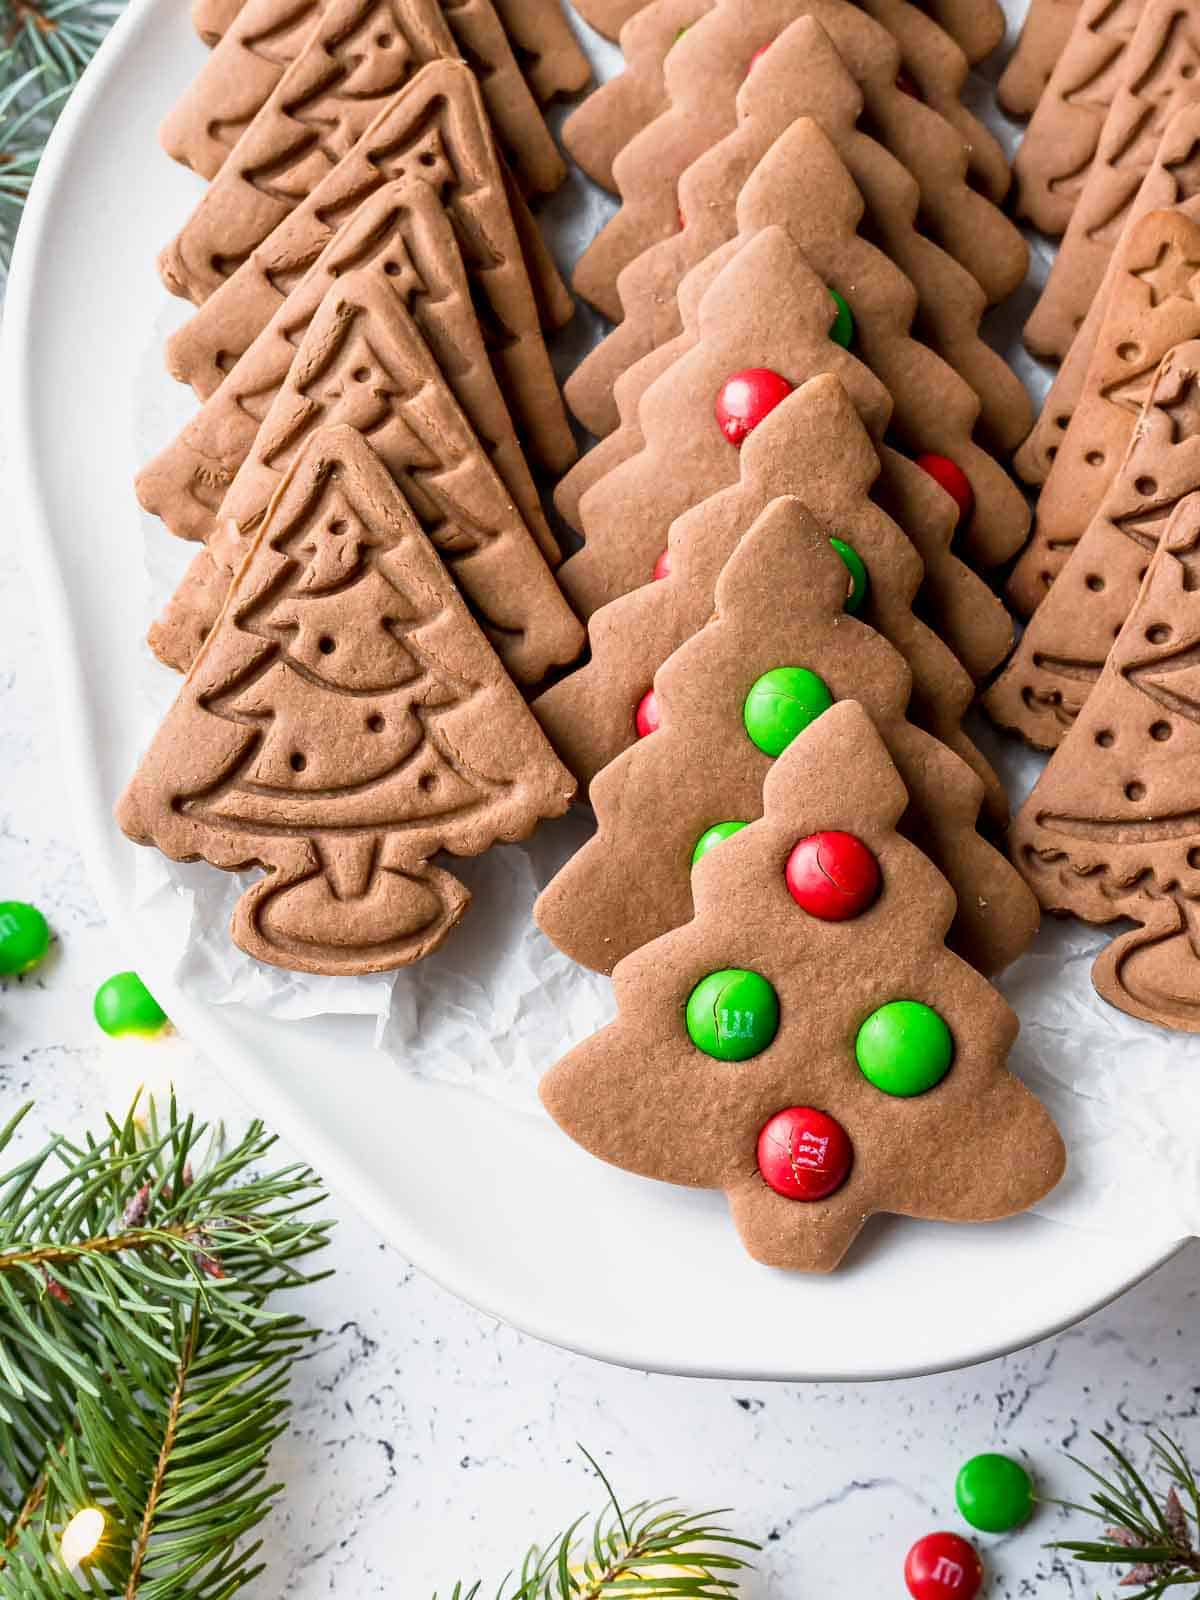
(733, 1063)
(1155, 303)
(345, 721)
(801, 74)
(1066, 644)
(1112, 828)
(435, 130)
(363, 362)
(1042, 39)
(1160, 75)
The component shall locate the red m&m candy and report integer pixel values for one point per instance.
(953, 479)
(662, 567)
(745, 398)
(646, 718)
(832, 875)
(804, 1154)
(943, 1566)
(758, 55)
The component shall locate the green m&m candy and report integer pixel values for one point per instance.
(857, 568)
(24, 937)
(124, 1005)
(781, 704)
(994, 1493)
(715, 835)
(732, 1014)
(841, 330)
(904, 1048)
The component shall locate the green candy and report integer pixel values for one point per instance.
(24, 937)
(715, 835)
(994, 1493)
(124, 1005)
(781, 704)
(904, 1048)
(857, 568)
(732, 1014)
(841, 330)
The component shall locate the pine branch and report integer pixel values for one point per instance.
(143, 1365)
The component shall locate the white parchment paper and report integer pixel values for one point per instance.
(499, 1004)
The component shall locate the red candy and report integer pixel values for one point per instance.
(662, 567)
(941, 1566)
(953, 479)
(646, 719)
(745, 398)
(907, 85)
(832, 875)
(757, 56)
(804, 1154)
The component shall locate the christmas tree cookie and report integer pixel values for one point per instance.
(1042, 39)
(403, 236)
(704, 71)
(1112, 828)
(1068, 639)
(1160, 73)
(1154, 304)
(435, 130)
(735, 1063)
(363, 362)
(344, 722)
(801, 75)
(813, 447)
(782, 647)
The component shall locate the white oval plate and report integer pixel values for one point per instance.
(497, 1206)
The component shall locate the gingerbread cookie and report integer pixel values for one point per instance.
(345, 721)
(1172, 182)
(813, 447)
(1052, 161)
(704, 72)
(435, 130)
(1160, 75)
(363, 362)
(1110, 830)
(801, 75)
(1063, 650)
(1042, 39)
(1155, 303)
(779, 650)
(402, 235)
(212, 19)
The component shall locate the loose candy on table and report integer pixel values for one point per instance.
(994, 1492)
(24, 937)
(123, 1005)
(943, 1566)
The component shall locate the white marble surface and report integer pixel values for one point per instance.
(429, 1443)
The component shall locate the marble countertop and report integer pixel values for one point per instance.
(429, 1443)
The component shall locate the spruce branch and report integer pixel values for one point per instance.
(143, 1362)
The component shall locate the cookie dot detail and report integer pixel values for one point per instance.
(952, 479)
(904, 1048)
(841, 329)
(711, 837)
(781, 704)
(662, 567)
(804, 1154)
(745, 398)
(733, 1014)
(646, 718)
(857, 568)
(833, 876)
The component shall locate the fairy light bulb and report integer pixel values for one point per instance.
(82, 1536)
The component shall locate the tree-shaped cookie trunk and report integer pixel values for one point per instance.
(1042, 39)
(813, 447)
(436, 130)
(801, 74)
(1160, 75)
(1112, 828)
(403, 236)
(704, 71)
(621, 108)
(363, 362)
(1052, 161)
(734, 1063)
(1064, 648)
(780, 648)
(1154, 305)
(1173, 182)
(344, 722)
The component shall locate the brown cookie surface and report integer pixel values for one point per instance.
(212, 19)
(345, 721)
(362, 361)
(1042, 39)
(640, 1093)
